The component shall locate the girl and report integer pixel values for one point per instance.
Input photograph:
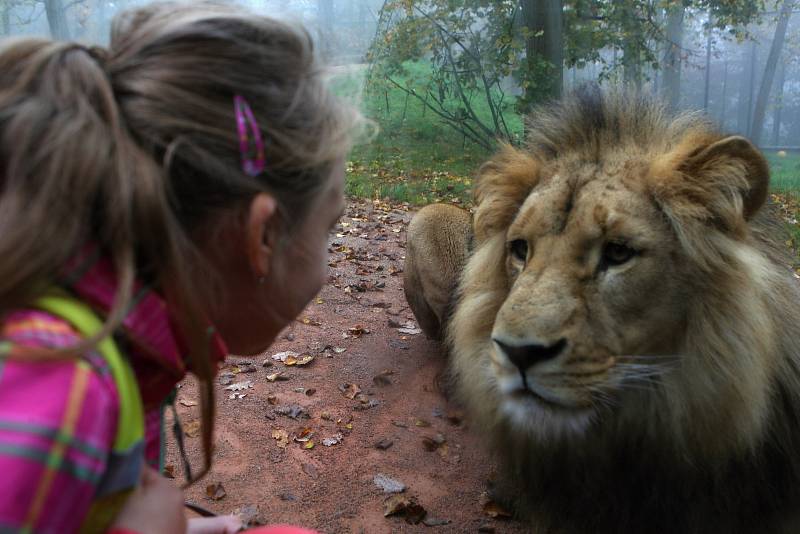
(157, 198)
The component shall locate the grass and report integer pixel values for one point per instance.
(785, 172)
(414, 157)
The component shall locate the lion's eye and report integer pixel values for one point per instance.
(519, 249)
(617, 254)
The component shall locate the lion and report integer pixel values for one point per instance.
(626, 335)
(437, 245)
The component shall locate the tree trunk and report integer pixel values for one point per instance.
(57, 19)
(708, 64)
(5, 18)
(672, 56)
(776, 119)
(745, 100)
(769, 71)
(325, 22)
(724, 96)
(544, 49)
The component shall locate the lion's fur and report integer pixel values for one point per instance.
(437, 245)
(709, 441)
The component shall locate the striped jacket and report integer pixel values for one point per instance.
(58, 415)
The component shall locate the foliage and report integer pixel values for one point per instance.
(476, 51)
(472, 46)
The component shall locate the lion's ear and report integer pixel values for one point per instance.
(723, 182)
(734, 162)
(502, 185)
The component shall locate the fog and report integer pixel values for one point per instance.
(726, 70)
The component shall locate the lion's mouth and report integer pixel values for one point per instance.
(526, 393)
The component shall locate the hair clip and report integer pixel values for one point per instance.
(253, 161)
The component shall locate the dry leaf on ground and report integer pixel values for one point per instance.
(216, 491)
(281, 437)
(350, 390)
(192, 428)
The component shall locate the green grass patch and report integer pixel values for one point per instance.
(414, 156)
(784, 172)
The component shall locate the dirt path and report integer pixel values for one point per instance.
(398, 425)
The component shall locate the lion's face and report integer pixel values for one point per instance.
(596, 284)
(588, 275)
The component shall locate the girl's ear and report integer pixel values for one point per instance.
(262, 229)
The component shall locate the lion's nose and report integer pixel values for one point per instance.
(524, 356)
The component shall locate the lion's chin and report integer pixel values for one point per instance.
(543, 419)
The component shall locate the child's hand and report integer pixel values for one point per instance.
(228, 524)
(155, 507)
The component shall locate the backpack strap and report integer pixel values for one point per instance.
(126, 459)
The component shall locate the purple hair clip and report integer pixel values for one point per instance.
(253, 159)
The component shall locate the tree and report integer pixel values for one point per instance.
(776, 119)
(544, 49)
(468, 47)
(325, 22)
(769, 71)
(5, 18)
(672, 56)
(57, 19)
(452, 56)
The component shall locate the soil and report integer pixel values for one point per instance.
(399, 425)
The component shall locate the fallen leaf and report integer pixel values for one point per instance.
(240, 386)
(282, 356)
(277, 376)
(237, 395)
(357, 331)
(312, 322)
(421, 423)
(304, 435)
(330, 442)
(272, 399)
(410, 331)
(408, 508)
(310, 391)
(495, 511)
(192, 428)
(401, 424)
(187, 402)
(388, 484)
(395, 505)
(216, 491)
(281, 436)
(169, 471)
(305, 359)
(382, 379)
(243, 367)
(435, 522)
(309, 445)
(384, 444)
(350, 390)
(226, 378)
(293, 411)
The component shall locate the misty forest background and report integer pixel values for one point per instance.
(445, 80)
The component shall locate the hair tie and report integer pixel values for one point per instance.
(252, 153)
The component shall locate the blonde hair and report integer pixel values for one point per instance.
(134, 147)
